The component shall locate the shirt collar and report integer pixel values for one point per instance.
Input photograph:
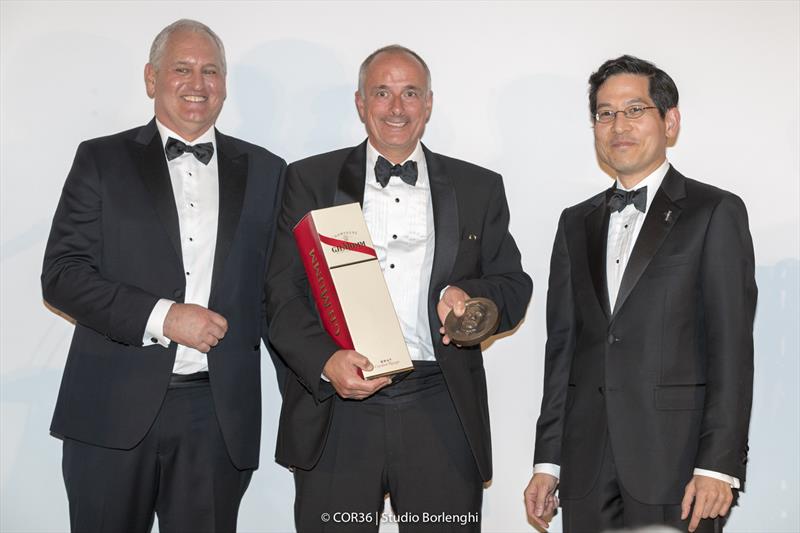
(652, 181)
(207, 136)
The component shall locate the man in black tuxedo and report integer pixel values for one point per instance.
(158, 250)
(440, 229)
(649, 357)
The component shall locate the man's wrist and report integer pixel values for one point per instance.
(732, 481)
(547, 468)
(154, 330)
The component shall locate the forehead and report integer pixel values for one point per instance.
(621, 88)
(190, 44)
(396, 67)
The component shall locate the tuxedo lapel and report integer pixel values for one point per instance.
(232, 169)
(155, 175)
(445, 220)
(596, 224)
(350, 187)
(661, 218)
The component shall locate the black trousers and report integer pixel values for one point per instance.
(609, 507)
(407, 441)
(180, 471)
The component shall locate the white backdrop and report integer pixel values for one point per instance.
(510, 94)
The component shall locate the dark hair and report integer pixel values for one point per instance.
(662, 89)
(390, 49)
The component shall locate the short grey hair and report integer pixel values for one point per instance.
(390, 49)
(160, 42)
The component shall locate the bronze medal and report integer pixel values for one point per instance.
(478, 323)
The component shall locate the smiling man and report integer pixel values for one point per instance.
(158, 251)
(440, 230)
(649, 356)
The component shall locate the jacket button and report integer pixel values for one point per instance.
(257, 347)
(612, 339)
(178, 293)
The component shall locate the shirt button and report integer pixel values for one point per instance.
(397, 200)
(191, 205)
(394, 236)
(188, 274)
(192, 240)
(391, 266)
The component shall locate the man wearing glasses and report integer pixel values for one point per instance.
(649, 357)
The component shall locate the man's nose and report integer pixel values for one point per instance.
(620, 123)
(397, 104)
(196, 80)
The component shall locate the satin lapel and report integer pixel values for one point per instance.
(350, 187)
(660, 220)
(155, 175)
(445, 220)
(232, 168)
(596, 224)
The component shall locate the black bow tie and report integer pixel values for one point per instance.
(202, 151)
(385, 170)
(620, 199)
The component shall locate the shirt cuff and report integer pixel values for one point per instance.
(154, 330)
(441, 292)
(547, 468)
(732, 481)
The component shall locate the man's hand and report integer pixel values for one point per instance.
(541, 500)
(712, 498)
(342, 371)
(194, 326)
(453, 298)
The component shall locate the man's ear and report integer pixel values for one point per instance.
(360, 106)
(150, 80)
(672, 120)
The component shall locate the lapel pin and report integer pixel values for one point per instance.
(668, 216)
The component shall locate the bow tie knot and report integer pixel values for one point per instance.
(202, 151)
(384, 170)
(621, 199)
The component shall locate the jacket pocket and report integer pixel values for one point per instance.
(680, 397)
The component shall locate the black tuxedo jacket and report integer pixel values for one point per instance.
(468, 202)
(668, 374)
(115, 249)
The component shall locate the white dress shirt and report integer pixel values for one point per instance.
(623, 230)
(195, 187)
(400, 221)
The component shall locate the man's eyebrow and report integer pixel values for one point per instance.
(630, 101)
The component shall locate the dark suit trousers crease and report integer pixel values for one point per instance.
(405, 440)
(610, 507)
(180, 471)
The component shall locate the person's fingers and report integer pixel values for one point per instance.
(688, 497)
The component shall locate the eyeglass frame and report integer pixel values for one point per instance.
(624, 112)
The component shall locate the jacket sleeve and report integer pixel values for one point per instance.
(561, 338)
(72, 274)
(294, 327)
(729, 296)
(502, 279)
